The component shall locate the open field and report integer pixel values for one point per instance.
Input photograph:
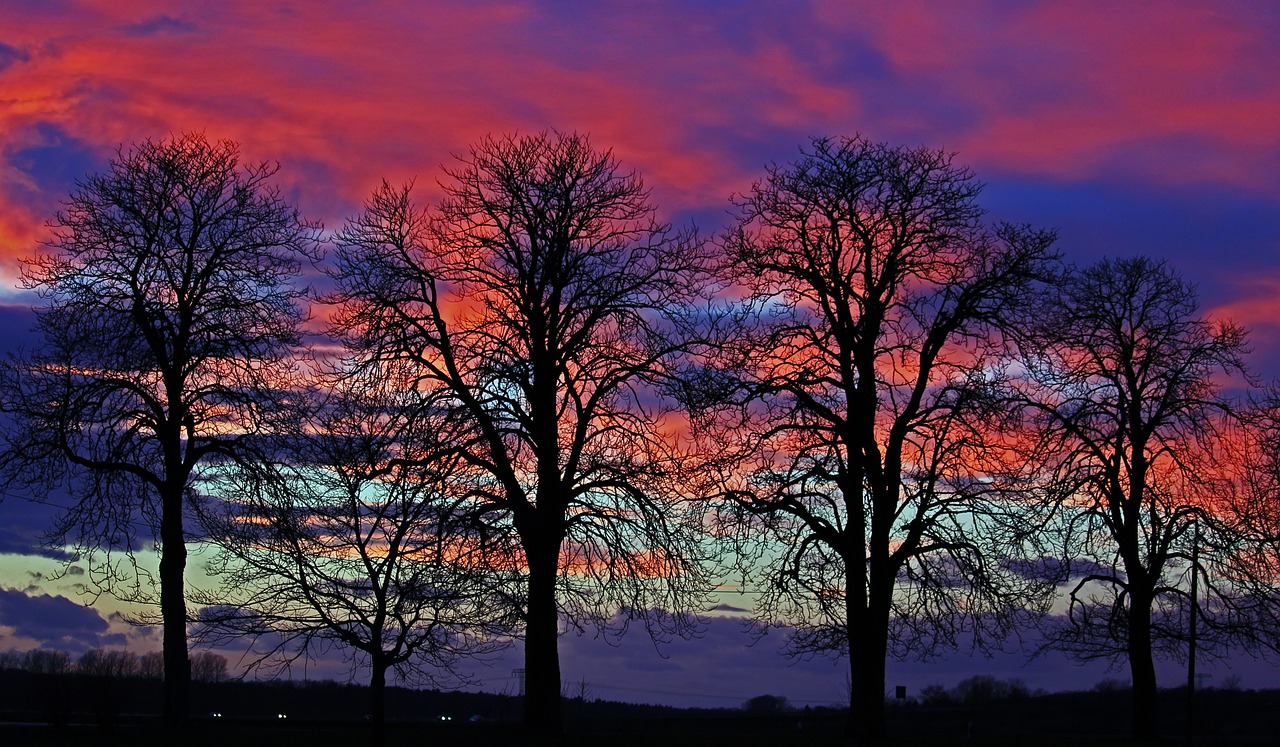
(923, 728)
(55, 710)
(319, 734)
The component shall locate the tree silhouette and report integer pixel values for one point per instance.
(852, 410)
(1122, 383)
(350, 538)
(98, 662)
(207, 666)
(540, 298)
(170, 315)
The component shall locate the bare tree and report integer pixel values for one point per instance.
(151, 665)
(170, 315)
(540, 297)
(351, 539)
(43, 661)
(1122, 384)
(207, 666)
(98, 662)
(860, 474)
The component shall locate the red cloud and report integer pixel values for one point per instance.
(1068, 90)
(695, 97)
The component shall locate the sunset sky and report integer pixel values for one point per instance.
(1131, 128)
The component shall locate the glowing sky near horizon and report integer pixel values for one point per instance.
(1130, 128)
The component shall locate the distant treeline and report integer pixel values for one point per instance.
(206, 666)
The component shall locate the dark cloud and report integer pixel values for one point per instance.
(16, 322)
(56, 622)
(10, 56)
(26, 516)
(1197, 226)
(57, 161)
(1046, 567)
(24, 525)
(159, 26)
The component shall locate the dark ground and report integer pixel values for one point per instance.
(52, 711)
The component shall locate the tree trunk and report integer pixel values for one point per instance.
(542, 710)
(867, 629)
(867, 676)
(378, 703)
(873, 648)
(1142, 669)
(173, 610)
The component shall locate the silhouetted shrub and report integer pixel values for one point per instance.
(979, 689)
(935, 695)
(1111, 685)
(984, 688)
(766, 704)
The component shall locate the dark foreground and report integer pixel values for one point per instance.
(58, 710)
(208, 733)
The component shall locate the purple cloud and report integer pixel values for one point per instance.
(24, 526)
(55, 622)
(10, 56)
(158, 26)
(724, 666)
(16, 322)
